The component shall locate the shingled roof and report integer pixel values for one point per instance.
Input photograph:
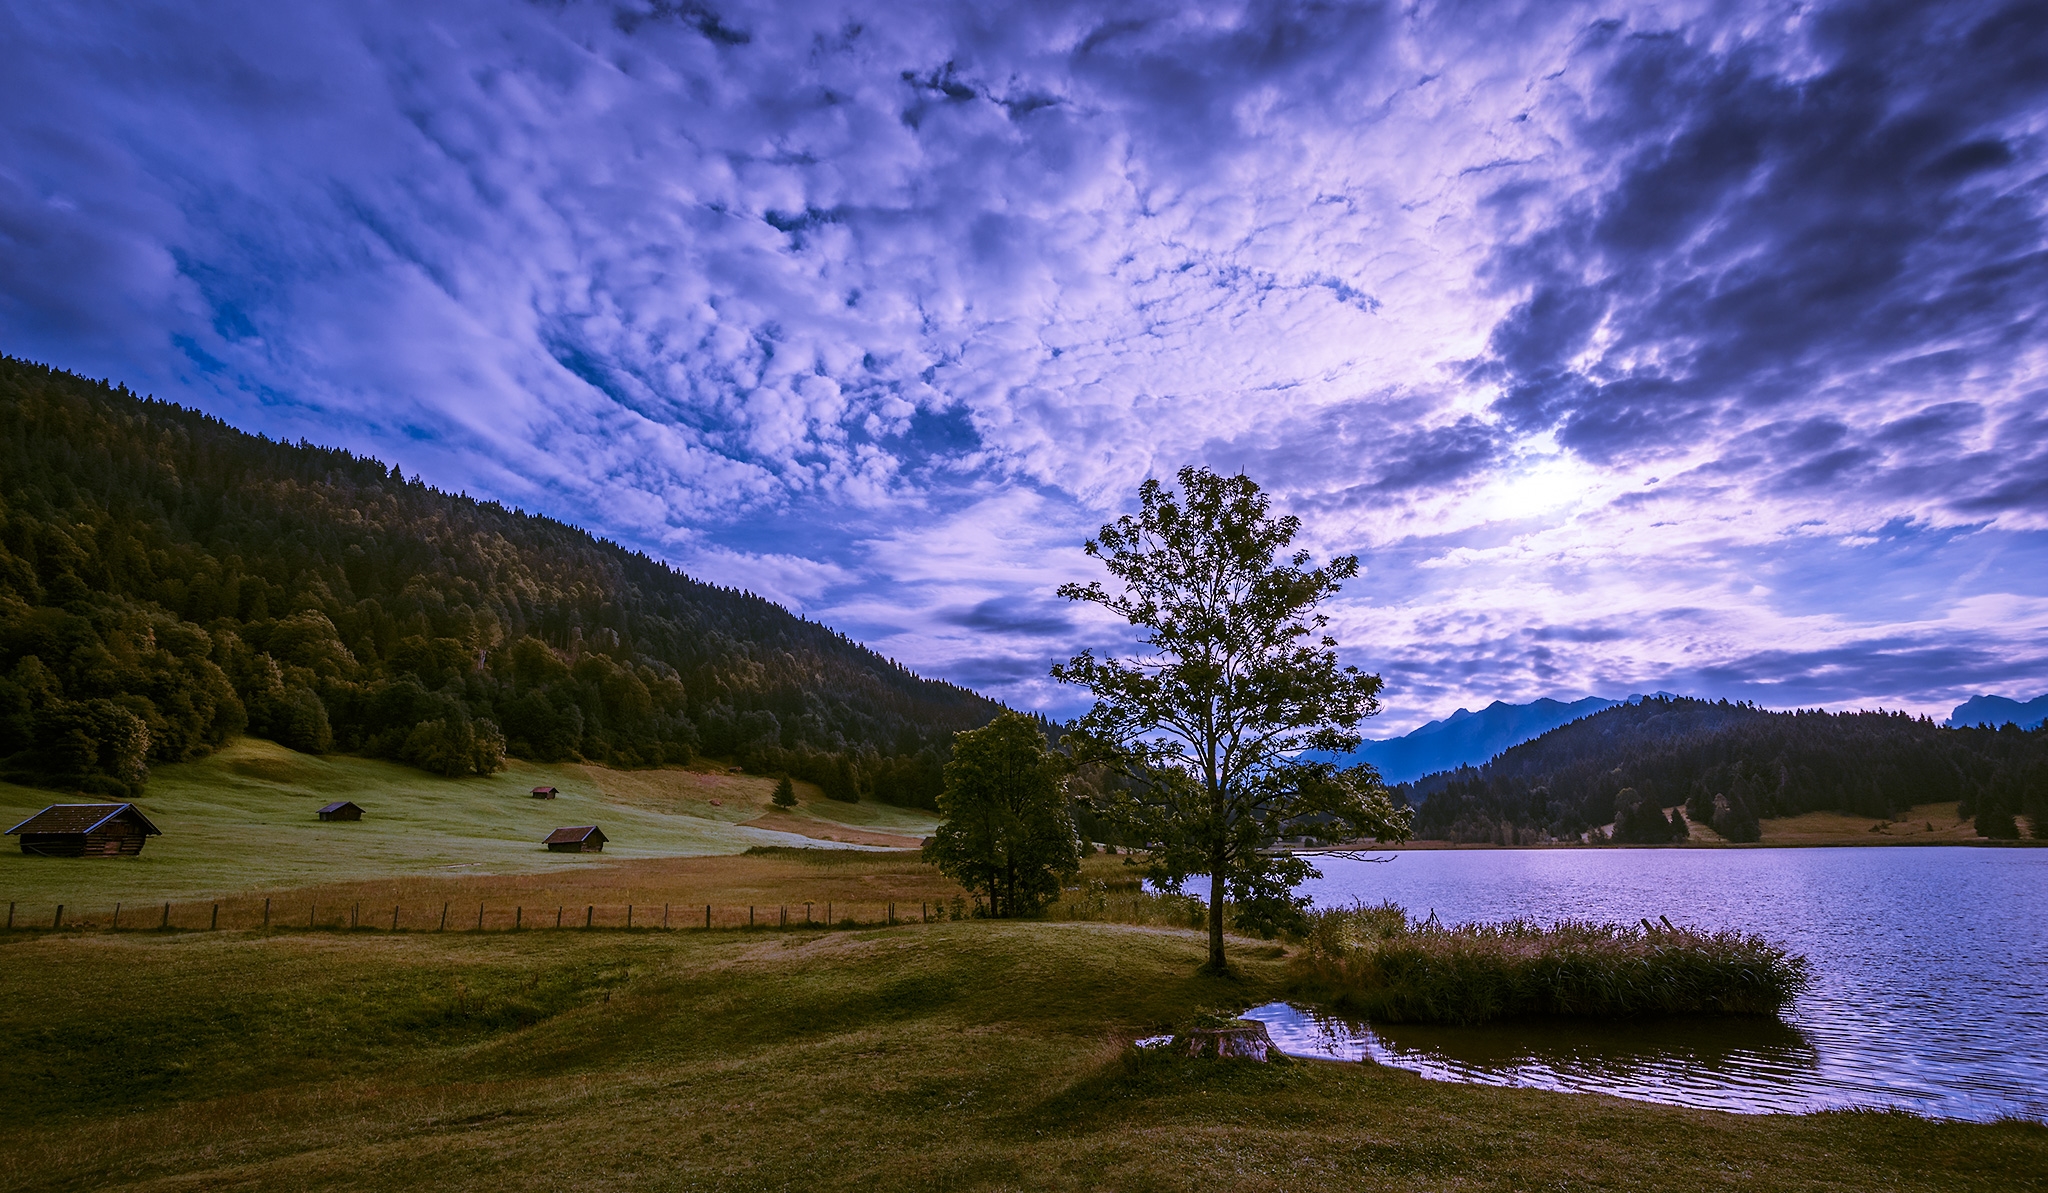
(565, 836)
(81, 818)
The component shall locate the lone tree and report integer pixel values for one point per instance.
(1236, 678)
(785, 793)
(1006, 833)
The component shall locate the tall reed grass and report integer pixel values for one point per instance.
(1124, 900)
(1379, 963)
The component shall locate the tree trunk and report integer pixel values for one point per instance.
(1216, 889)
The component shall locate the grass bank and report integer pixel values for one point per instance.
(243, 821)
(1378, 963)
(969, 1055)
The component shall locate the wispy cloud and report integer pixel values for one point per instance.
(1700, 349)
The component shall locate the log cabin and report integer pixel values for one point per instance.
(342, 810)
(85, 830)
(545, 793)
(585, 839)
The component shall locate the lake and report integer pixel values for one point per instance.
(1930, 969)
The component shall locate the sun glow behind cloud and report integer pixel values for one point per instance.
(1695, 350)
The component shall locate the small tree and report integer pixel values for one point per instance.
(785, 793)
(1006, 831)
(1236, 680)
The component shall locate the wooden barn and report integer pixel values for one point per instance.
(342, 810)
(85, 830)
(587, 839)
(545, 793)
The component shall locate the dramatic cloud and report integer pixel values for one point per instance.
(1697, 346)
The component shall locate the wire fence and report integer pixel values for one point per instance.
(255, 913)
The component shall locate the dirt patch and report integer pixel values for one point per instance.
(818, 830)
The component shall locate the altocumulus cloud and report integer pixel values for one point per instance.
(1695, 346)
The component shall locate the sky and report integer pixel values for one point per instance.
(1692, 346)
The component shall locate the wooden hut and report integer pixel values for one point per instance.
(341, 810)
(85, 830)
(545, 793)
(587, 839)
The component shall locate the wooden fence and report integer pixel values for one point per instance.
(251, 913)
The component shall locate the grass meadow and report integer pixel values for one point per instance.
(242, 822)
(962, 1055)
(947, 1055)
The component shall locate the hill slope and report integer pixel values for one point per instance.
(167, 582)
(1732, 765)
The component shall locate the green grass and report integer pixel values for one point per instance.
(1377, 963)
(243, 820)
(970, 1055)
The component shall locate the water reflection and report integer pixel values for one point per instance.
(1753, 1065)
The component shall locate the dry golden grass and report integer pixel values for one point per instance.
(847, 884)
(1924, 824)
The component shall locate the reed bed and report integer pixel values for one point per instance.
(1379, 963)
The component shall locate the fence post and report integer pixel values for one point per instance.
(394, 917)
(518, 918)
(664, 917)
(167, 916)
(807, 914)
(312, 914)
(444, 918)
(214, 926)
(589, 912)
(479, 917)
(707, 915)
(10, 917)
(924, 913)
(59, 921)
(750, 915)
(117, 917)
(355, 914)
(782, 920)
(629, 915)
(828, 913)
(266, 913)
(558, 916)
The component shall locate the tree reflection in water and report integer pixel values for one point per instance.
(1749, 1064)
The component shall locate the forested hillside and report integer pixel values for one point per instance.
(1731, 765)
(167, 582)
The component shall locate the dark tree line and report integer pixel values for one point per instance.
(167, 582)
(1732, 765)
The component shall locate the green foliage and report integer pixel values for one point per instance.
(1006, 831)
(1639, 821)
(1376, 962)
(1731, 765)
(1237, 678)
(160, 568)
(785, 793)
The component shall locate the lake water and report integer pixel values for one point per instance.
(1930, 970)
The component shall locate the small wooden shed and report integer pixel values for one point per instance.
(85, 830)
(341, 810)
(585, 839)
(545, 793)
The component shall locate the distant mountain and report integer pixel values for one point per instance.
(1995, 711)
(1468, 738)
(1731, 765)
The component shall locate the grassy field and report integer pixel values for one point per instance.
(243, 821)
(964, 1055)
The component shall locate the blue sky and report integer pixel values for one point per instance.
(1690, 346)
